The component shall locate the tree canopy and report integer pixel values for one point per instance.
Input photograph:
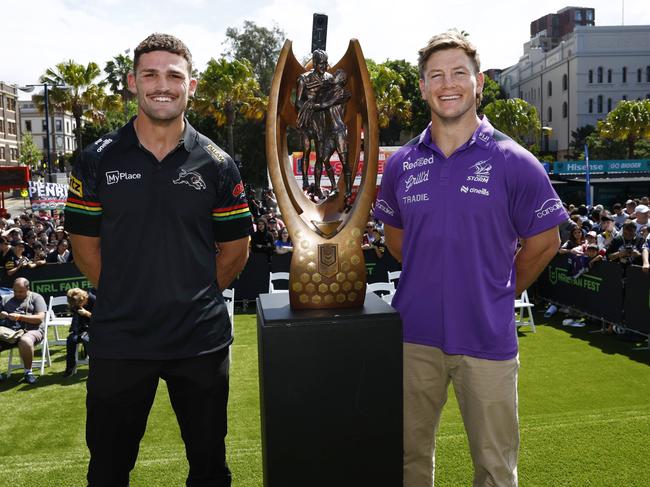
(516, 118)
(629, 122)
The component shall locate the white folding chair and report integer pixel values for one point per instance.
(14, 361)
(278, 276)
(524, 307)
(394, 276)
(229, 298)
(60, 324)
(385, 290)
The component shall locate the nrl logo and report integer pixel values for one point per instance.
(191, 178)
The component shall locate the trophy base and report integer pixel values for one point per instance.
(330, 394)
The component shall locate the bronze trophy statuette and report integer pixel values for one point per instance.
(329, 107)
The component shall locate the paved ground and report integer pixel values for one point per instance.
(16, 206)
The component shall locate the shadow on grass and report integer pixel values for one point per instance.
(628, 345)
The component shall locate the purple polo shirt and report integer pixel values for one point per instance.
(461, 218)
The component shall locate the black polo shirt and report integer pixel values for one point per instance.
(158, 221)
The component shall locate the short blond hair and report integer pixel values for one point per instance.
(452, 39)
(76, 297)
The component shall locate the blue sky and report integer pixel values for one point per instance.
(45, 32)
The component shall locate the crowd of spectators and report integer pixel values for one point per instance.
(621, 235)
(31, 240)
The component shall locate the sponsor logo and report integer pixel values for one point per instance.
(549, 206)
(481, 172)
(102, 144)
(238, 189)
(76, 187)
(484, 137)
(114, 177)
(191, 178)
(585, 281)
(422, 161)
(385, 207)
(416, 198)
(413, 180)
(215, 153)
(482, 191)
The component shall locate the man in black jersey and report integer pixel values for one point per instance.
(179, 200)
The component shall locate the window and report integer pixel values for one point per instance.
(43, 124)
(2, 102)
(590, 15)
(11, 104)
(591, 76)
(2, 125)
(565, 82)
(599, 74)
(550, 89)
(609, 75)
(28, 125)
(624, 74)
(565, 110)
(647, 74)
(67, 127)
(578, 15)
(591, 105)
(550, 114)
(11, 128)
(624, 97)
(599, 102)
(609, 104)
(58, 124)
(44, 143)
(14, 154)
(2, 153)
(647, 97)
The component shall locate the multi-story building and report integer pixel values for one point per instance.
(548, 31)
(577, 82)
(62, 127)
(9, 123)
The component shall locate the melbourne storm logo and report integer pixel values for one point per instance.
(191, 178)
(481, 172)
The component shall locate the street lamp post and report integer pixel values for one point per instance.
(29, 89)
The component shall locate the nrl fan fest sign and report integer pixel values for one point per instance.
(47, 196)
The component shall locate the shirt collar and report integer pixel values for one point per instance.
(188, 139)
(482, 136)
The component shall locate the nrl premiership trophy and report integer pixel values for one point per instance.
(329, 106)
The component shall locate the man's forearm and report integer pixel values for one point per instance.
(230, 261)
(534, 256)
(87, 257)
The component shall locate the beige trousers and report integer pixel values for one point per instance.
(487, 395)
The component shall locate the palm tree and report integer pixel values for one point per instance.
(391, 104)
(629, 122)
(227, 88)
(117, 71)
(79, 94)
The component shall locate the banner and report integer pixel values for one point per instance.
(49, 279)
(598, 292)
(600, 167)
(47, 196)
(637, 299)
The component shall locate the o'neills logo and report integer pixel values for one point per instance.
(549, 206)
(103, 143)
(422, 161)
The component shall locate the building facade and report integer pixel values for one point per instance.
(580, 80)
(62, 127)
(9, 125)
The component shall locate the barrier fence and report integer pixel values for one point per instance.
(609, 291)
(55, 279)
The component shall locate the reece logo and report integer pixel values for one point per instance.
(549, 206)
(114, 177)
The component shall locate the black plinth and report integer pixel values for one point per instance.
(330, 394)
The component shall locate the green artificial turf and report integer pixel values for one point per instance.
(584, 410)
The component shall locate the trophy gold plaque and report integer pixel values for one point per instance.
(329, 107)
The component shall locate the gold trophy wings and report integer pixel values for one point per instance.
(327, 266)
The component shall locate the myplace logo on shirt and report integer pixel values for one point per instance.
(114, 177)
(549, 206)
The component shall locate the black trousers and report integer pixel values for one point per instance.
(119, 397)
(71, 347)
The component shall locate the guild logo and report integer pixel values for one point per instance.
(413, 180)
(191, 178)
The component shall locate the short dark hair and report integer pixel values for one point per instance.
(617, 206)
(162, 42)
(630, 224)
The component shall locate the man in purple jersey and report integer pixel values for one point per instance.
(456, 294)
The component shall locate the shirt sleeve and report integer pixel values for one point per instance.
(39, 304)
(231, 217)
(386, 205)
(83, 210)
(534, 205)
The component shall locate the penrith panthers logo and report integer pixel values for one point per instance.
(191, 178)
